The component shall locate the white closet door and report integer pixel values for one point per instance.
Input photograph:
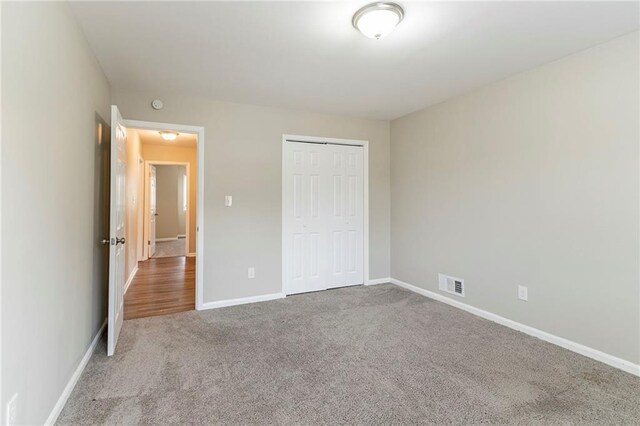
(304, 224)
(346, 218)
(323, 216)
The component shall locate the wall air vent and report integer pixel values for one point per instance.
(451, 285)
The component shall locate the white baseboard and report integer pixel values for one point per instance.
(166, 239)
(130, 279)
(241, 301)
(603, 357)
(191, 255)
(74, 378)
(378, 281)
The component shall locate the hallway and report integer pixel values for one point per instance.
(161, 286)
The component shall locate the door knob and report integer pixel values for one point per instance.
(120, 240)
(106, 241)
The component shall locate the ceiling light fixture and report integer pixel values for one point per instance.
(168, 136)
(377, 20)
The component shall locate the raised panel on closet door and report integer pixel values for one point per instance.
(304, 236)
(346, 219)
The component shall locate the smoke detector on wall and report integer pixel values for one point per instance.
(156, 104)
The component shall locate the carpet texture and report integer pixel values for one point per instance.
(359, 355)
(172, 248)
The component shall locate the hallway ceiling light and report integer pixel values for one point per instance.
(377, 20)
(168, 136)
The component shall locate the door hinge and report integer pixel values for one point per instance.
(148, 242)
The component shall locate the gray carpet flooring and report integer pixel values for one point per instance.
(360, 355)
(172, 248)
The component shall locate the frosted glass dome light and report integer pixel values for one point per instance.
(377, 20)
(168, 136)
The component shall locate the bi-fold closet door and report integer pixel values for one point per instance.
(323, 216)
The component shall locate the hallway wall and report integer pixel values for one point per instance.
(133, 201)
(168, 189)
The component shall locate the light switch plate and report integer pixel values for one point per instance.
(228, 200)
(251, 272)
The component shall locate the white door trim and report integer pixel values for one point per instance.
(140, 196)
(199, 131)
(147, 200)
(317, 139)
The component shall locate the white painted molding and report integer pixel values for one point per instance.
(57, 409)
(595, 354)
(167, 239)
(180, 236)
(130, 279)
(191, 255)
(378, 281)
(241, 301)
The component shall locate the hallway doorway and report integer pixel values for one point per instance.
(168, 211)
(141, 285)
(161, 211)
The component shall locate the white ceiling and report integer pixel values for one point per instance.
(306, 55)
(152, 137)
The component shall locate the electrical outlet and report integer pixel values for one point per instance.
(12, 410)
(251, 272)
(522, 293)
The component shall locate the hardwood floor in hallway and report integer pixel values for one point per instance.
(161, 286)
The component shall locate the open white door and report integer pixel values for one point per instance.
(116, 228)
(153, 210)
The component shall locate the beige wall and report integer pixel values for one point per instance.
(133, 202)
(53, 292)
(531, 181)
(243, 158)
(168, 198)
(182, 155)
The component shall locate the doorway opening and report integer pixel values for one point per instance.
(141, 284)
(163, 203)
(166, 217)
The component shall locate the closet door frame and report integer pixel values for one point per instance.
(365, 180)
